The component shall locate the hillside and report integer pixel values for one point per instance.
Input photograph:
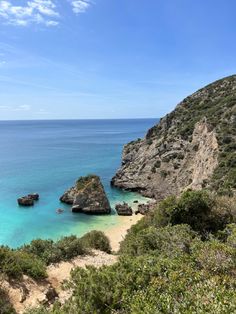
(192, 147)
(168, 263)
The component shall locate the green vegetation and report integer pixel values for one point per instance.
(53, 252)
(33, 258)
(203, 211)
(164, 265)
(96, 240)
(15, 263)
(82, 182)
(5, 306)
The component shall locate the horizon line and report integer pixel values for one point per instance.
(81, 119)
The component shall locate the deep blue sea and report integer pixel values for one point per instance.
(47, 157)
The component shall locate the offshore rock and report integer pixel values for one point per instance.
(124, 210)
(28, 200)
(25, 201)
(87, 196)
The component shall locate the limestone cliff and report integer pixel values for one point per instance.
(192, 147)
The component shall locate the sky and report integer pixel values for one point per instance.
(82, 59)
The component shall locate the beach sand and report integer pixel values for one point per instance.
(117, 233)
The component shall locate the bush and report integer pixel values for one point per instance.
(154, 284)
(167, 241)
(15, 263)
(69, 247)
(44, 249)
(54, 252)
(228, 235)
(31, 265)
(203, 211)
(97, 240)
(5, 305)
(214, 257)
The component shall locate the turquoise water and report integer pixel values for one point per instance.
(47, 157)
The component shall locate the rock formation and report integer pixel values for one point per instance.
(28, 200)
(124, 210)
(25, 201)
(34, 196)
(144, 209)
(192, 147)
(87, 196)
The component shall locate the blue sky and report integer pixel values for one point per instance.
(79, 59)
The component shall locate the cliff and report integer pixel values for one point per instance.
(192, 147)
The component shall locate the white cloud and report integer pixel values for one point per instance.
(80, 6)
(42, 112)
(4, 107)
(17, 108)
(23, 108)
(43, 12)
(34, 11)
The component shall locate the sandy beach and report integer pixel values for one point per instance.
(117, 234)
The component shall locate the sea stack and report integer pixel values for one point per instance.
(87, 196)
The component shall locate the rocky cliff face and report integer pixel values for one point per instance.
(192, 147)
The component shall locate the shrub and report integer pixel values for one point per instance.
(15, 263)
(153, 284)
(167, 241)
(43, 249)
(5, 305)
(201, 210)
(214, 257)
(228, 235)
(31, 265)
(97, 240)
(54, 252)
(69, 247)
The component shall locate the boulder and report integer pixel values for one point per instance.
(143, 209)
(87, 196)
(124, 210)
(25, 201)
(34, 196)
(28, 200)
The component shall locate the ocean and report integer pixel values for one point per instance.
(47, 157)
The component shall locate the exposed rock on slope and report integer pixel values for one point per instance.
(87, 196)
(192, 147)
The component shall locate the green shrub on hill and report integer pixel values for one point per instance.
(15, 263)
(31, 259)
(54, 252)
(5, 305)
(96, 240)
(181, 283)
(70, 247)
(203, 211)
(168, 268)
(167, 241)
